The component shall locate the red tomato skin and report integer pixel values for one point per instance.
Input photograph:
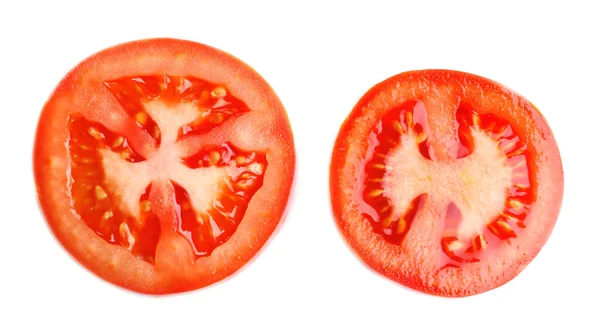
(349, 149)
(81, 90)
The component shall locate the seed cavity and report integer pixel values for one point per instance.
(206, 230)
(393, 224)
(140, 234)
(214, 103)
(459, 247)
(90, 196)
(500, 227)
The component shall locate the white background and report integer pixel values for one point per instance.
(320, 57)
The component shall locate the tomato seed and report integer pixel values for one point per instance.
(244, 184)
(376, 192)
(107, 215)
(396, 125)
(100, 193)
(256, 168)
(401, 225)
(455, 245)
(385, 209)
(141, 118)
(504, 226)
(126, 236)
(95, 133)
(118, 142)
(516, 152)
(214, 157)
(216, 118)
(219, 92)
(482, 242)
(240, 159)
(508, 145)
(476, 120)
(408, 119)
(145, 206)
(515, 204)
(521, 186)
(387, 221)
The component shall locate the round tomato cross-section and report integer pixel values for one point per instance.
(163, 165)
(446, 182)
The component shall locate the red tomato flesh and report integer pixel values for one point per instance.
(446, 182)
(163, 165)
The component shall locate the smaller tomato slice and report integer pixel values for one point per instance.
(445, 181)
(163, 165)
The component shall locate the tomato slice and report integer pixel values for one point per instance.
(163, 165)
(446, 182)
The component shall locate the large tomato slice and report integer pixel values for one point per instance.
(163, 165)
(446, 182)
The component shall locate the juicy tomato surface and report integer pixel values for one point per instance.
(163, 165)
(446, 182)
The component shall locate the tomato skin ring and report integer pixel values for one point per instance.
(395, 262)
(81, 88)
